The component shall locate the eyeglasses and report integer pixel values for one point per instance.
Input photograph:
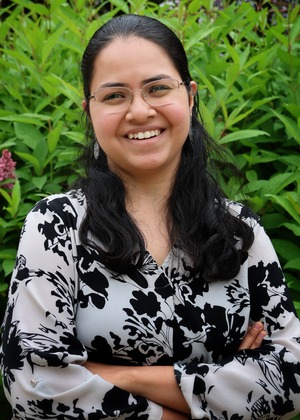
(158, 93)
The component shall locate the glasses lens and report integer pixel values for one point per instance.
(117, 98)
(161, 92)
(158, 93)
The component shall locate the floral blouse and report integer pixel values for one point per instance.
(65, 306)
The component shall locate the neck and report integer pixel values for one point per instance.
(147, 185)
(152, 192)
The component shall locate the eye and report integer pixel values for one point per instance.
(114, 96)
(111, 96)
(159, 90)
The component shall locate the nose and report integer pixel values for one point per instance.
(139, 109)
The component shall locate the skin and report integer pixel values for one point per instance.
(157, 383)
(130, 62)
(147, 168)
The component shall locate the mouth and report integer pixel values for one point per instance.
(142, 135)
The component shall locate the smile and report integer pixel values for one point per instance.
(144, 135)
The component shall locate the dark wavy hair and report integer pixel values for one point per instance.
(199, 221)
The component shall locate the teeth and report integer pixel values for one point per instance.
(145, 135)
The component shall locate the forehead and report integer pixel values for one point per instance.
(133, 58)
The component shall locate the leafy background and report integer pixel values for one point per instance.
(245, 58)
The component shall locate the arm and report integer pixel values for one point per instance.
(158, 383)
(264, 379)
(261, 383)
(41, 357)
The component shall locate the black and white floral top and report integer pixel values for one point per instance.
(64, 306)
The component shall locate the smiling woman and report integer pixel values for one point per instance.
(127, 108)
(150, 292)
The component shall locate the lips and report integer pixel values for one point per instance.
(142, 135)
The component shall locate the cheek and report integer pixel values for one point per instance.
(104, 125)
(179, 117)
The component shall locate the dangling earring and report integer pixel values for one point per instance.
(96, 150)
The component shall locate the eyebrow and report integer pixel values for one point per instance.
(144, 82)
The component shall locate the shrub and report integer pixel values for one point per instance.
(247, 66)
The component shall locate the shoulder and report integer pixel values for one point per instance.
(65, 210)
(62, 203)
(262, 247)
(243, 212)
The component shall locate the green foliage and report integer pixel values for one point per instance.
(247, 66)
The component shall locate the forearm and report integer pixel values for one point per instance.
(169, 414)
(156, 383)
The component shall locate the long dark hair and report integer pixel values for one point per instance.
(199, 221)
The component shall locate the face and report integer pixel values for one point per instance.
(161, 130)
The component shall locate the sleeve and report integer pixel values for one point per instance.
(253, 384)
(41, 357)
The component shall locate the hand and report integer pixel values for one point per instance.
(253, 337)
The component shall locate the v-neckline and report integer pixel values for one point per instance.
(163, 264)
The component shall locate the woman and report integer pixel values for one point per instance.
(132, 294)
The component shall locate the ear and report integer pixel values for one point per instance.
(193, 91)
(86, 108)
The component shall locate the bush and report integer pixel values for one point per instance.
(247, 66)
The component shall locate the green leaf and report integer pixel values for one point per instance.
(194, 6)
(6, 195)
(280, 181)
(8, 253)
(281, 38)
(242, 134)
(27, 118)
(293, 264)
(39, 182)
(51, 42)
(74, 135)
(41, 152)
(208, 119)
(19, 57)
(232, 74)
(13, 198)
(67, 89)
(29, 134)
(291, 126)
(208, 84)
(31, 159)
(294, 228)
(16, 198)
(286, 249)
(8, 266)
(53, 137)
(198, 36)
(287, 203)
(36, 8)
(3, 286)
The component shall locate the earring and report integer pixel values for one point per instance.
(96, 150)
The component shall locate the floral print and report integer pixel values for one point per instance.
(64, 306)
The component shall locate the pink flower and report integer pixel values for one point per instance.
(7, 168)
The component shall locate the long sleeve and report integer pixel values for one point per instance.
(252, 384)
(42, 357)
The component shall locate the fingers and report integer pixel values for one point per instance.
(254, 337)
(258, 341)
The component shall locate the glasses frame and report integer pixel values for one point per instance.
(131, 91)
